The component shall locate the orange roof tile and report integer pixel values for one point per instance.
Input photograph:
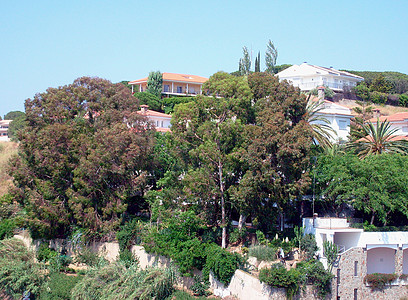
(176, 77)
(149, 112)
(401, 116)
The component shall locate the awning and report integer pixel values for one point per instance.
(391, 246)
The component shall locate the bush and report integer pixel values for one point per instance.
(378, 98)
(403, 100)
(88, 257)
(222, 263)
(7, 227)
(378, 281)
(45, 253)
(316, 275)
(59, 287)
(19, 272)
(115, 281)
(200, 287)
(128, 258)
(278, 277)
(263, 253)
(59, 263)
(309, 246)
(237, 235)
(129, 234)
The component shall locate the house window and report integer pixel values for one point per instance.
(342, 125)
(338, 276)
(355, 294)
(179, 89)
(355, 268)
(166, 88)
(161, 123)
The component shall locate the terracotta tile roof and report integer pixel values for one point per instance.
(401, 116)
(149, 112)
(176, 77)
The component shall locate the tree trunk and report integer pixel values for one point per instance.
(372, 217)
(223, 225)
(241, 222)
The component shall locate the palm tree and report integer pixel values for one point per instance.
(378, 139)
(322, 132)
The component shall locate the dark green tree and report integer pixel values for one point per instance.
(276, 152)
(155, 83)
(258, 63)
(12, 115)
(83, 157)
(271, 56)
(17, 124)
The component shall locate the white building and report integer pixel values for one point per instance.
(398, 121)
(160, 120)
(338, 117)
(308, 77)
(4, 125)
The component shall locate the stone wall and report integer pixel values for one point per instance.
(346, 284)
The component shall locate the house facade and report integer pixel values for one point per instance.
(308, 77)
(174, 84)
(4, 125)
(339, 118)
(361, 254)
(398, 121)
(160, 120)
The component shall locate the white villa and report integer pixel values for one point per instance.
(339, 119)
(160, 120)
(362, 253)
(398, 121)
(308, 77)
(4, 125)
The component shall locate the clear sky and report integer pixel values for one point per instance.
(50, 43)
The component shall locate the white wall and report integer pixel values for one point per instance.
(381, 260)
(347, 239)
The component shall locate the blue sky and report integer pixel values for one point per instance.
(45, 44)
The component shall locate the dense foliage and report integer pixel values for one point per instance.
(115, 281)
(379, 281)
(79, 163)
(390, 82)
(19, 272)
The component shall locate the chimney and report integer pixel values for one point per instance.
(143, 108)
(320, 92)
(376, 113)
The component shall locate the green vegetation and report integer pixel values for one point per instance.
(154, 83)
(59, 286)
(19, 272)
(390, 82)
(263, 253)
(311, 272)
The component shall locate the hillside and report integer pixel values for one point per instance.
(399, 81)
(385, 110)
(7, 149)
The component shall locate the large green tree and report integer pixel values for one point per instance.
(375, 185)
(271, 56)
(276, 153)
(83, 157)
(155, 83)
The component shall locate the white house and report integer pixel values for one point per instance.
(160, 120)
(360, 254)
(4, 125)
(338, 117)
(398, 121)
(308, 77)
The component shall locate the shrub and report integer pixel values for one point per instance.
(59, 287)
(191, 254)
(315, 274)
(378, 281)
(200, 287)
(59, 263)
(222, 263)
(378, 98)
(128, 258)
(129, 234)
(45, 253)
(88, 257)
(237, 235)
(264, 253)
(403, 100)
(115, 281)
(277, 276)
(308, 246)
(18, 271)
(7, 227)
